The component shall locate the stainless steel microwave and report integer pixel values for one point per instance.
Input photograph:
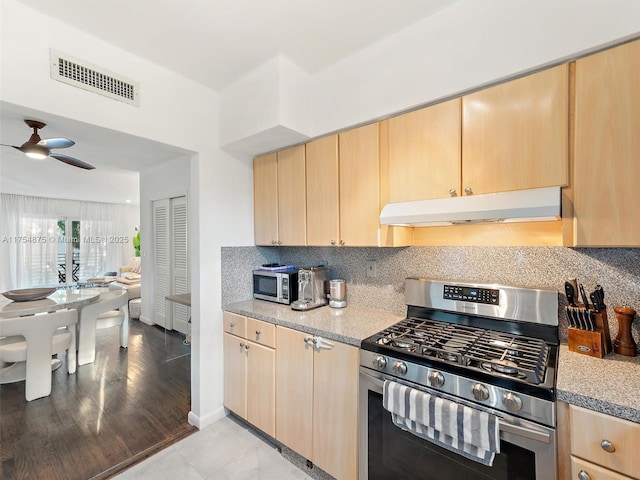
(279, 287)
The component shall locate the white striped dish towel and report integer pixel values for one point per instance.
(460, 429)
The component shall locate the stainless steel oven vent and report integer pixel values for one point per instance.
(83, 75)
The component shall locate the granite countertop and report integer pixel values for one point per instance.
(609, 385)
(349, 325)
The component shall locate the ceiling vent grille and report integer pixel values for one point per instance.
(88, 77)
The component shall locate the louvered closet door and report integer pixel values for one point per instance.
(162, 261)
(179, 261)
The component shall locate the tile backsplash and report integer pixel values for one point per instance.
(616, 269)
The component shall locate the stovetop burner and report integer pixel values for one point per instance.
(495, 352)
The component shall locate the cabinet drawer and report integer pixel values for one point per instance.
(592, 471)
(261, 332)
(591, 430)
(235, 324)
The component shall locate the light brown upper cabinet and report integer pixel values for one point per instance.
(323, 197)
(516, 135)
(344, 190)
(279, 197)
(607, 148)
(424, 153)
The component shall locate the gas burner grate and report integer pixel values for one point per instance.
(499, 353)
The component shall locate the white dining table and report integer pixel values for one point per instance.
(63, 298)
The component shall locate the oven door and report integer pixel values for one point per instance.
(527, 451)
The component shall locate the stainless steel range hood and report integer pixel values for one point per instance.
(532, 205)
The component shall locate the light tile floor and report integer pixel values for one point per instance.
(223, 451)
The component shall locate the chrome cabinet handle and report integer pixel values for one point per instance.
(258, 332)
(582, 475)
(607, 446)
(318, 342)
(333, 242)
(247, 346)
(231, 325)
(279, 242)
(273, 242)
(341, 242)
(453, 192)
(468, 191)
(322, 343)
(241, 344)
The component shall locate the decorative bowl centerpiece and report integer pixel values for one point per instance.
(28, 294)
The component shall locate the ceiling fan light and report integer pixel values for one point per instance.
(33, 150)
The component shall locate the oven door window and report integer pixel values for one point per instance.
(394, 453)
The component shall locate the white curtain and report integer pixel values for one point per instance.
(106, 232)
(29, 238)
(29, 242)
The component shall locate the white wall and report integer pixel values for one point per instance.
(462, 47)
(173, 111)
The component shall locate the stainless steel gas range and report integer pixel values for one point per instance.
(487, 348)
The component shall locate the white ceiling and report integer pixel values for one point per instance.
(214, 42)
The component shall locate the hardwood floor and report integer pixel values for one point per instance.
(112, 413)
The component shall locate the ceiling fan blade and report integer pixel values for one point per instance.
(12, 146)
(72, 161)
(57, 142)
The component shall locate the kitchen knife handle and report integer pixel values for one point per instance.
(571, 293)
(594, 299)
(583, 295)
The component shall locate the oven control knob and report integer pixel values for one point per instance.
(436, 379)
(480, 392)
(400, 368)
(512, 401)
(380, 362)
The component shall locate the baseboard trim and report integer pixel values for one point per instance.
(205, 421)
(146, 320)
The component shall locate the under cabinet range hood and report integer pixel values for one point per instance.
(532, 205)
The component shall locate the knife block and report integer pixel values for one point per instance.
(586, 342)
(595, 343)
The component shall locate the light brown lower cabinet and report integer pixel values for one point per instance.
(249, 370)
(596, 446)
(317, 400)
(583, 470)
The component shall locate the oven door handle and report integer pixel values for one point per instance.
(506, 427)
(521, 431)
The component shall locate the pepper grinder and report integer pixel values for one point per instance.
(624, 343)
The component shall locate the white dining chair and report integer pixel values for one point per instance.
(34, 339)
(110, 310)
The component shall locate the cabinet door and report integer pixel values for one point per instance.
(515, 135)
(424, 153)
(335, 410)
(322, 191)
(292, 210)
(294, 391)
(265, 199)
(261, 364)
(360, 187)
(235, 374)
(607, 148)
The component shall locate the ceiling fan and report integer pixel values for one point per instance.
(37, 148)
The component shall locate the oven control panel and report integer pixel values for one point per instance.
(471, 294)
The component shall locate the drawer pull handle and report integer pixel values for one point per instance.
(257, 332)
(241, 344)
(582, 475)
(607, 446)
(232, 324)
